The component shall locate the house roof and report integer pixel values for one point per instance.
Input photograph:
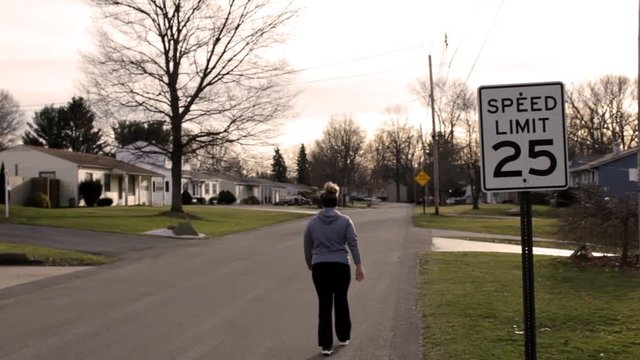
(261, 181)
(604, 159)
(95, 161)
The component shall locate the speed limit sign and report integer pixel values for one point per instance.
(523, 137)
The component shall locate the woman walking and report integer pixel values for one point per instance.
(326, 238)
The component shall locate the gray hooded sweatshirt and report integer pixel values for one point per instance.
(327, 236)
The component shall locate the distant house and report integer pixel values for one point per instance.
(614, 172)
(267, 191)
(150, 157)
(125, 183)
(391, 193)
(297, 189)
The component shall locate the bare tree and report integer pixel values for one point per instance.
(454, 103)
(395, 145)
(338, 154)
(11, 119)
(204, 67)
(601, 113)
(452, 100)
(469, 155)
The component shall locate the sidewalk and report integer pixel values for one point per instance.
(15, 275)
(456, 245)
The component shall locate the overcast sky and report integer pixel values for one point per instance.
(365, 53)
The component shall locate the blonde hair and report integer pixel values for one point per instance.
(331, 188)
(329, 196)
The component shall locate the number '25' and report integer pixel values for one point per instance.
(533, 154)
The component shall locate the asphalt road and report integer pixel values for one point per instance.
(242, 296)
(83, 240)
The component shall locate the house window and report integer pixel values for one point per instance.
(166, 186)
(157, 186)
(132, 185)
(88, 176)
(47, 174)
(15, 169)
(107, 182)
(185, 186)
(206, 189)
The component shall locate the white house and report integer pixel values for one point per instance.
(149, 157)
(269, 192)
(197, 184)
(125, 183)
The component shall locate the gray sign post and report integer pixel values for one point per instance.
(524, 148)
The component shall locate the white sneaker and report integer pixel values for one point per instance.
(327, 352)
(343, 343)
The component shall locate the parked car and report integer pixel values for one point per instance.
(371, 199)
(293, 200)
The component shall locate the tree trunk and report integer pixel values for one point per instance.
(176, 166)
(625, 243)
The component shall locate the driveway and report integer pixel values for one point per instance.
(83, 240)
(242, 296)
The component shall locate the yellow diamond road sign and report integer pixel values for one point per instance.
(422, 178)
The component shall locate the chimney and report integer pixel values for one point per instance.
(616, 147)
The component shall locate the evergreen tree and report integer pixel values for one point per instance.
(81, 134)
(46, 129)
(303, 170)
(153, 132)
(67, 127)
(278, 167)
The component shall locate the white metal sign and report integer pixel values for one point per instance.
(523, 137)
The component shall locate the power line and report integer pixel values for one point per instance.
(352, 76)
(385, 53)
(493, 23)
(296, 71)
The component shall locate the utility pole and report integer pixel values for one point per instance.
(638, 142)
(436, 185)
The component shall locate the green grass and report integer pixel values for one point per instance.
(215, 220)
(538, 211)
(490, 218)
(54, 257)
(471, 306)
(542, 227)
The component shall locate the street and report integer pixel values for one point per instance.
(242, 296)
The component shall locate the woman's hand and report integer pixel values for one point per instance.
(359, 273)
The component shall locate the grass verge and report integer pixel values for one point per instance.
(54, 257)
(542, 227)
(471, 305)
(213, 220)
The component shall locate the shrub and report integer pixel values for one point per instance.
(187, 199)
(251, 200)
(213, 200)
(539, 198)
(226, 197)
(39, 200)
(90, 191)
(200, 200)
(106, 201)
(596, 217)
(563, 198)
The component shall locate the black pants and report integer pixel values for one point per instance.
(331, 280)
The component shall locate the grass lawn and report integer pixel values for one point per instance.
(215, 220)
(54, 257)
(538, 211)
(471, 305)
(544, 226)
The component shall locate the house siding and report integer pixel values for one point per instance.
(614, 176)
(31, 163)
